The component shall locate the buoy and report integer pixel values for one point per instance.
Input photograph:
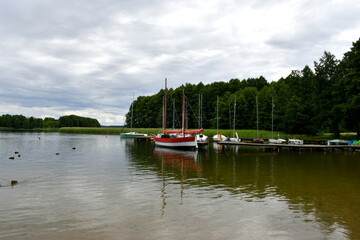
(19, 155)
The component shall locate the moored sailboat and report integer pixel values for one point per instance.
(132, 134)
(202, 140)
(218, 137)
(176, 138)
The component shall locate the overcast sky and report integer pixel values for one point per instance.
(88, 57)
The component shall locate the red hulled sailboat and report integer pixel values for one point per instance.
(176, 138)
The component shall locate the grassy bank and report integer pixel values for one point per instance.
(243, 133)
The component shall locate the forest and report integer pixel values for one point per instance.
(22, 122)
(322, 99)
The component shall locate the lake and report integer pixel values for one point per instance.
(102, 187)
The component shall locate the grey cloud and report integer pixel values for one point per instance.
(77, 55)
(316, 25)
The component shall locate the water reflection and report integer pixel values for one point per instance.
(109, 187)
(319, 188)
(179, 161)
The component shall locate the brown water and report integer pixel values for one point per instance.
(109, 188)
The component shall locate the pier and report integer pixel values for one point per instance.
(292, 147)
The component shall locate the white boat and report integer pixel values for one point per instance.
(272, 140)
(219, 137)
(132, 135)
(295, 141)
(176, 138)
(235, 139)
(337, 142)
(202, 139)
(236, 136)
(277, 141)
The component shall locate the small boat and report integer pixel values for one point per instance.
(354, 143)
(295, 141)
(277, 141)
(235, 139)
(132, 135)
(219, 138)
(176, 138)
(202, 139)
(257, 140)
(337, 142)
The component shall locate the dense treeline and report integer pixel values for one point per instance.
(308, 101)
(76, 121)
(22, 122)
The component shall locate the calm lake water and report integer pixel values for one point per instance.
(108, 188)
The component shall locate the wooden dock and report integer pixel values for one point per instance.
(292, 147)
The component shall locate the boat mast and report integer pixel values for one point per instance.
(257, 118)
(201, 112)
(164, 107)
(199, 124)
(217, 115)
(132, 112)
(272, 117)
(183, 115)
(234, 116)
(173, 114)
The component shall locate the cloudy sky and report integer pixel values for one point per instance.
(89, 57)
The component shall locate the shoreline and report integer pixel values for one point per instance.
(243, 133)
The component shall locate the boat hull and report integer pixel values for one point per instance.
(179, 142)
(132, 135)
(219, 138)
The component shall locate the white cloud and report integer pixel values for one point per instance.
(68, 56)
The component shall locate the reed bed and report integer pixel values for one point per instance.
(243, 133)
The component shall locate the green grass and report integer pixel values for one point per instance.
(108, 131)
(243, 133)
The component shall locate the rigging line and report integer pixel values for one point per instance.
(176, 115)
(194, 114)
